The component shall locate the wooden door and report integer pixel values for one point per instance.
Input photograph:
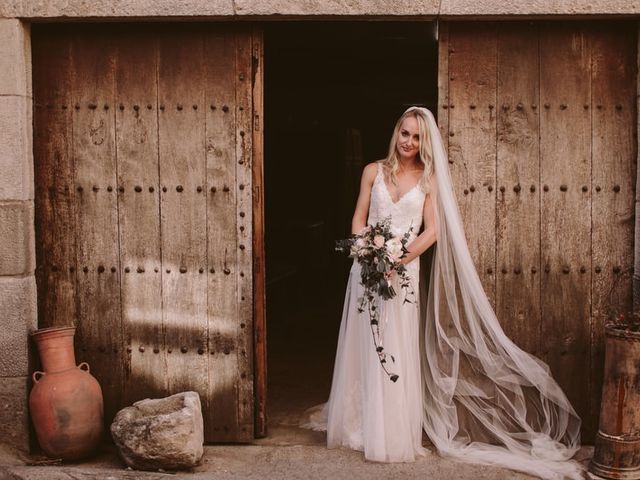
(145, 143)
(540, 120)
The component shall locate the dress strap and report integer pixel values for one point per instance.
(379, 174)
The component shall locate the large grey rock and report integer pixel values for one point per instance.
(162, 433)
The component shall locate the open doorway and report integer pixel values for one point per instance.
(333, 91)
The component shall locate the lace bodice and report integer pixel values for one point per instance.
(405, 213)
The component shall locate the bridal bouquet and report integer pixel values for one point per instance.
(378, 252)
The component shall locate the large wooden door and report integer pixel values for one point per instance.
(145, 138)
(540, 120)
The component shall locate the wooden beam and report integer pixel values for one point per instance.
(259, 280)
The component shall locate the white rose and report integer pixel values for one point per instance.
(394, 247)
(378, 241)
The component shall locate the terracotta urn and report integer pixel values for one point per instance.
(66, 403)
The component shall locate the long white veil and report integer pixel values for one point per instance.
(485, 400)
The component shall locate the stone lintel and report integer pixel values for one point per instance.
(207, 9)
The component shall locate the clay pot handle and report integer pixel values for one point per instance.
(37, 376)
(85, 365)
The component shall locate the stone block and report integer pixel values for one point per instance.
(163, 433)
(16, 150)
(15, 58)
(393, 8)
(14, 412)
(18, 299)
(483, 8)
(109, 8)
(17, 238)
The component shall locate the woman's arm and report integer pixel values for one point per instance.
(428, 237)
(359, 220)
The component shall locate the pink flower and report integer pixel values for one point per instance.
(378, 241)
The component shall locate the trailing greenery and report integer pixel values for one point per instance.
(379, 253)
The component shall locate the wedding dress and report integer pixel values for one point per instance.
(477, 395)
(366, 411)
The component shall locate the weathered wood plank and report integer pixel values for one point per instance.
(614, 144)
(220, 64)
(259, 278)
(518, 196)
(244, 231)
(55, 218)
(183, 208)
(443, 83)
(472, 139)
(98, 292)
(565, 168)
(139, 216)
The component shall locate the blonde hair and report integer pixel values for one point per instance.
(425, 152)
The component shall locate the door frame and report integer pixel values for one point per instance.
(259, 279)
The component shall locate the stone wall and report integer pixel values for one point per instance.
(17, 257)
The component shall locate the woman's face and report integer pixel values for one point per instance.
(408, 144)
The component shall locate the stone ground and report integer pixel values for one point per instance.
(263, 460)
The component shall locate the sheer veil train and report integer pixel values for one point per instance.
(485, 400)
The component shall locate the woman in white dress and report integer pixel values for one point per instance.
(366, 411)
(478, 397)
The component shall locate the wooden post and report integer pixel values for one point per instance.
(618, 439)
(259, 279)
(636, 243)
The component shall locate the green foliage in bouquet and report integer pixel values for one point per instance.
(379, 253)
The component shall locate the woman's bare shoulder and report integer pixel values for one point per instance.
(370, 171)
(374, 165)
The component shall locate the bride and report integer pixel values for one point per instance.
(477, 396)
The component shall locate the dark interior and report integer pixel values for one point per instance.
(333, 91)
